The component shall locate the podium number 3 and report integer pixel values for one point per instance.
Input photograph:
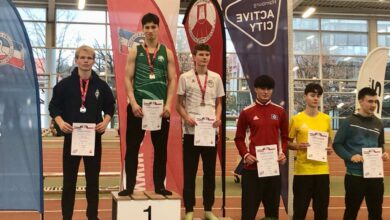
(149, 211)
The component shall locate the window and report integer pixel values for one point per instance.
(34, 20)
(329, 52)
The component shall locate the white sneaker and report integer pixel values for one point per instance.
(189, 216)
(208, 215)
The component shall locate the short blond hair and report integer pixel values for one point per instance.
(85, 48)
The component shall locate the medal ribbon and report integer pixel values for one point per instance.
(151, 62)
(83, 91)
(202, 90)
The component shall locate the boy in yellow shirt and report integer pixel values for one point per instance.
(311, 178)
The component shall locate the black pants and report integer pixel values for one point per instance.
(256, 190)
(191, 156)
(92, 169)
(307, 187)
(134, 137)
(357, 188)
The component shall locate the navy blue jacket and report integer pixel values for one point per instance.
(66, 100)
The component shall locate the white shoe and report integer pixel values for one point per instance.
(208, 215)
(189, 216)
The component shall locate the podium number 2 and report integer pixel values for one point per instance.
(149, 211)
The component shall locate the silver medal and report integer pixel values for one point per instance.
(83, 109)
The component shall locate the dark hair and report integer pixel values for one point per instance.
(366, 91)
(314, 88)
(202, 47)
(150, 17)
(264, 81)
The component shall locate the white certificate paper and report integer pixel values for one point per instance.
(83, 139)
(204, 131)
(152, 110)
(373, 163)
(267, 157)
(318, 143)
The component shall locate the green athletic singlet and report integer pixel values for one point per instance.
(144, 87)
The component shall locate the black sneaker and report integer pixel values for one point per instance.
(163, 192)
(126, 192)
(236, 178)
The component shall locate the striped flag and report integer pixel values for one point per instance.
(20, 128)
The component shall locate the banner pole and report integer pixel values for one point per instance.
(223, 136)
(290, 153)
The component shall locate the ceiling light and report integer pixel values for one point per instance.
(340, 105)
(308, 12)
(347, 58)
(386, 97)
(333, 47)
(295, 68)
(81, 4)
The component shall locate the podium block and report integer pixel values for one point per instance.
(145, 206)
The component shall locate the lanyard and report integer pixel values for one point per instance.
(202, 90)
(150, 62)
(83, 91)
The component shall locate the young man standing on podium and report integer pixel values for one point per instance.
(81, 98)
(199, 104)
(150, 74)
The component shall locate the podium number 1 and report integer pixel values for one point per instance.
(149, 211)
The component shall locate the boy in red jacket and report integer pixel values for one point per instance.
(267, 123)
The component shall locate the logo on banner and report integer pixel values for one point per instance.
(201, 21)
(259, 20)
(11, 52)
(136, 39)
(128, 40)
(377, 86)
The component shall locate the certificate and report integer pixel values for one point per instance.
(372, 163)
(204, 131)
(318, 143)
(152, 110)
(83, 139)
(267, 157)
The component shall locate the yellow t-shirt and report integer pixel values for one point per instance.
(298, 129)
